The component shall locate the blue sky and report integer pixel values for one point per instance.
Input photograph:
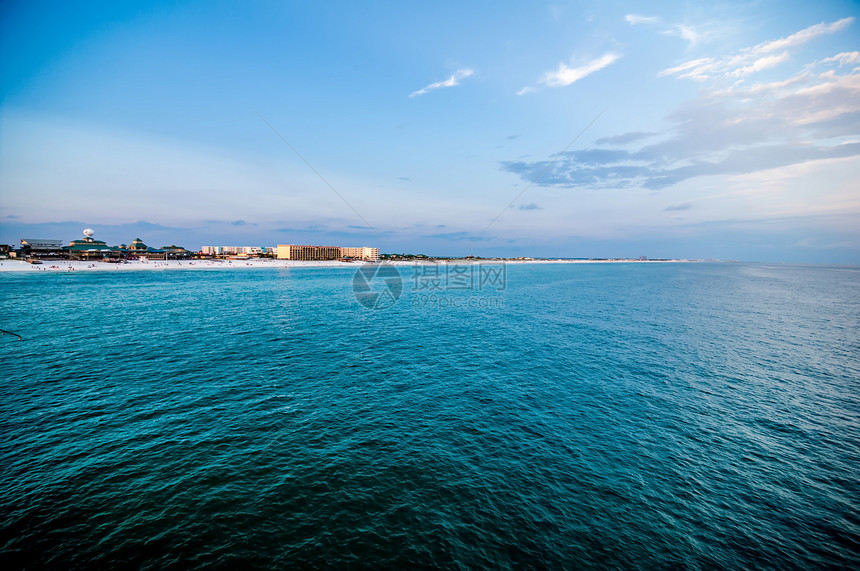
(667, 129)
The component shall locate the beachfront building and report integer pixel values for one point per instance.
(305, 253)
(174, 252)
(41, 248)
(90, 249)
(222, 250)
(236, 250)
(362, 253)
(137, 249)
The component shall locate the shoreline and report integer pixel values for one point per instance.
(69, 266)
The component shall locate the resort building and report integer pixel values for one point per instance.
(174, 252)
(362, 253)
(90, 249)
(137, 249)
(41, 248)
(296, 252)
(236, 250)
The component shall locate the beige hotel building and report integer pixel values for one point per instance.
(297, 252)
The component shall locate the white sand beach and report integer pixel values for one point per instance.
(13, 265)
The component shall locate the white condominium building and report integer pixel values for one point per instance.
(362, 253)
(234, 250)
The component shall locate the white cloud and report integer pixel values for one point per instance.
(634, 19)
(696, 64)
(761, 63)
(567, 75)
(525, 90)
(450, 82)
(688, 34)
(844, 58)
(777, 86)
(678, 30)
(803, 36)
(735, 131)
(756, 58)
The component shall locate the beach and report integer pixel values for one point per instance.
(161, 265)
(13, 265)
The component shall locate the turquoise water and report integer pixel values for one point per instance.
(604, 415)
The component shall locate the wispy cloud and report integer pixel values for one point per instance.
(760, 64)
(625, 138)
(457, 236)
(682, 206)
(804, 35)
(634, 19)
(679, 30)
(812, 116)
(531, 206)
(565, 75)
(450, 82)
(750, 60)
(684, 32)
(647, 167)
(845, 58)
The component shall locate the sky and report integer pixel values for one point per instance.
(727, 130)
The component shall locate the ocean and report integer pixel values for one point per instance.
(629, 415)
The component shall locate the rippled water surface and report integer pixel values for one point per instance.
(621, 415)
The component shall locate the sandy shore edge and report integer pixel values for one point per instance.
(11, 265)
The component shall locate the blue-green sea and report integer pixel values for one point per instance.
(635, 415)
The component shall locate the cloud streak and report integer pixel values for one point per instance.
(679, 30)
(641, 169)
(812, 116)
(682, 206)
(634, 19)
(750, 60)
(450, 82)
(457, 236)
(565, 75)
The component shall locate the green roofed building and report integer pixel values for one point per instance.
(90, 249)
(137, 249)
(174, 252)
